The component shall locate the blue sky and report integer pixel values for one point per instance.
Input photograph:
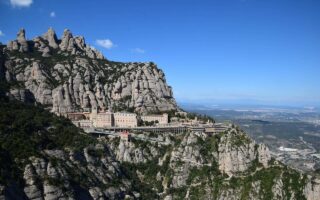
(255, 51)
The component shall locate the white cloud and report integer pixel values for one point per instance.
(52, 14)
(105, 43)
(138, 50)
(21, 3)
(1, 33)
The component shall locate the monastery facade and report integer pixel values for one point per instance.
(108, 119)
(161, 119)
(125, 120)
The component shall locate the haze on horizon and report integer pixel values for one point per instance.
(247, 51)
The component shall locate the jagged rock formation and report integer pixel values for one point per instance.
(20, 43)
(237, 155)
(45, 157)
(312, 189)
(225, 166)
(68, 75)
(54, 176)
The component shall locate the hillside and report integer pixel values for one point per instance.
(67, 75)
(228, 165)
(44, 156)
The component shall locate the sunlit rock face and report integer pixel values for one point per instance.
(68, 75)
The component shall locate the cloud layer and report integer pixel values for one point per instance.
(138, 50)
(105, 43)
(21, 3)
(52, 14)
(1, 33)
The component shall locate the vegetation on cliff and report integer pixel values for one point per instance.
(27, 130)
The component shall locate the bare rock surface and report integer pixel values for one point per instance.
(68, 75)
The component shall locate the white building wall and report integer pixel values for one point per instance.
(101, 120)
(162, 119)
(125, 120)
(83, 123)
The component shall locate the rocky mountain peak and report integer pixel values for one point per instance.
(21, 35)
(20, 43)
(66, 33)
(56, 160)
(71, 76)
(51, 37)
(66, 40)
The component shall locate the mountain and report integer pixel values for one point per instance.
(228, 165)
(44, 156)
(67, 75)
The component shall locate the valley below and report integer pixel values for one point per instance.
(292, 135)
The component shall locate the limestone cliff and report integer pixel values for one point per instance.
(68, 75)
(228, 165)
(43, 156)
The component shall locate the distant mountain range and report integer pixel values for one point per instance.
(248, 107)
